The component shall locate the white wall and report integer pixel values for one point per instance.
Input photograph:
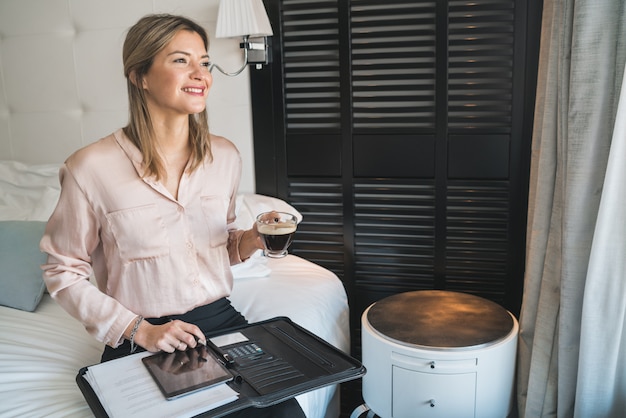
(62, 83)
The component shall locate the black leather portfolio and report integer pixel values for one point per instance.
(270, 361)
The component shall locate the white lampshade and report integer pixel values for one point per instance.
(237, 18)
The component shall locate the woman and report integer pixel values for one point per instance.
(149, 209)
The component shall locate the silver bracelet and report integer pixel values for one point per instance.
(133, 347)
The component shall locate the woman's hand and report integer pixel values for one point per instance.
(169, 337)
(250, 242)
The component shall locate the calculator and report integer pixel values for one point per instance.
(244, 352)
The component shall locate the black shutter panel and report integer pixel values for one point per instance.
(401, 130)
(312, 128)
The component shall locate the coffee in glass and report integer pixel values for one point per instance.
(276, 230)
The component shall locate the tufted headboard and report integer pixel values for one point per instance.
(61, 79)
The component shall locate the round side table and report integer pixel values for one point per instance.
(433, 353)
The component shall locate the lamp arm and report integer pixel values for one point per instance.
(234, 73)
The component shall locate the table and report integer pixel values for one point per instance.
(433, 353)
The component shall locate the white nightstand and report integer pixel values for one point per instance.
(438, 354)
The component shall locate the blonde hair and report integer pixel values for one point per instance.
(144, 40)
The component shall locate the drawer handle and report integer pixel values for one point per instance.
(432, 364)
(432, 403)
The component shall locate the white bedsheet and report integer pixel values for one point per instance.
(42, 351)
(40, 355)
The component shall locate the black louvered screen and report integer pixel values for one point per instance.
(477, 225)
(310, 45)
(312, 102)
(394, 238)
(394, 132)
(321, 238)
(401, 130)
(480, 65)
(393, 65)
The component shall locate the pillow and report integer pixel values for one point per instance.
(20, 264)
(249, 205)
(28, 192)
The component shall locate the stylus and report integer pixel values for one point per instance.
(223, 356)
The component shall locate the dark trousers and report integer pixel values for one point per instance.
(210, 318)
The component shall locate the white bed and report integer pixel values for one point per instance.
(42, 351)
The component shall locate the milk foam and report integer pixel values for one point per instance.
(276, 229)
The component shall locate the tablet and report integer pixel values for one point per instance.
(183, 372)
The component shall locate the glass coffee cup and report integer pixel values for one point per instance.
(276, 230)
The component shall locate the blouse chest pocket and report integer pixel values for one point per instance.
(215, 211)
(140, 233)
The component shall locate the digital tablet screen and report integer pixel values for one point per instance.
(182, 372)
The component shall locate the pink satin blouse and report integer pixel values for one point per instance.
(151, 254)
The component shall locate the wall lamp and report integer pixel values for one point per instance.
(248, 20)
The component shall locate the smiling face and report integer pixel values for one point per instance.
(178, 81)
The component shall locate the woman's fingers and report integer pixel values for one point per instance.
(169, 337)
(184, 335)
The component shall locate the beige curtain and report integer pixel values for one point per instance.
(583, 46)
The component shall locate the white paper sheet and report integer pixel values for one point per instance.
(125, 388)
